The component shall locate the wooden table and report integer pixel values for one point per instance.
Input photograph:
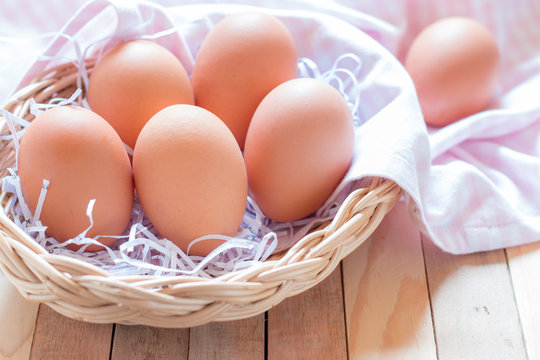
(396, 297)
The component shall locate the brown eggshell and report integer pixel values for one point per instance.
(244, 57)
(132, 82)
(84, 159)
(454, 64)
(190, 177)
(298, 148)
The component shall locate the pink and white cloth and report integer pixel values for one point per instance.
(475, 184)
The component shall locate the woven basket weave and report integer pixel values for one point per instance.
(85, 292)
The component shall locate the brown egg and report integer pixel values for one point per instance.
(84, 159)
(190, 176)
(244, 57)
(132, 82)
(454, 64)
(298, 148)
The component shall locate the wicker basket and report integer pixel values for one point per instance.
(85, 292)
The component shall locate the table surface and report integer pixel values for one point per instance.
(397, 296)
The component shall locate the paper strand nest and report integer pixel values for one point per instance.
(141, 250)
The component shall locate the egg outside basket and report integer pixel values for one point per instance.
(82, 291)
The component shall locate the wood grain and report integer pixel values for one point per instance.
(474, 311)
(144, 342)
(386, 299)
(242, 339)
(58, 337)
(17, 320)
(524, 265)
(310, 325)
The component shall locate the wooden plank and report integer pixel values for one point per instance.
(310, 325)
(524, 264)
(18, 317)
(473, 305)
(242, 339)
(386, 298)
(144, 342)
(58, 337)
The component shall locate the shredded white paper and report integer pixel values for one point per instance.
(141, 250)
